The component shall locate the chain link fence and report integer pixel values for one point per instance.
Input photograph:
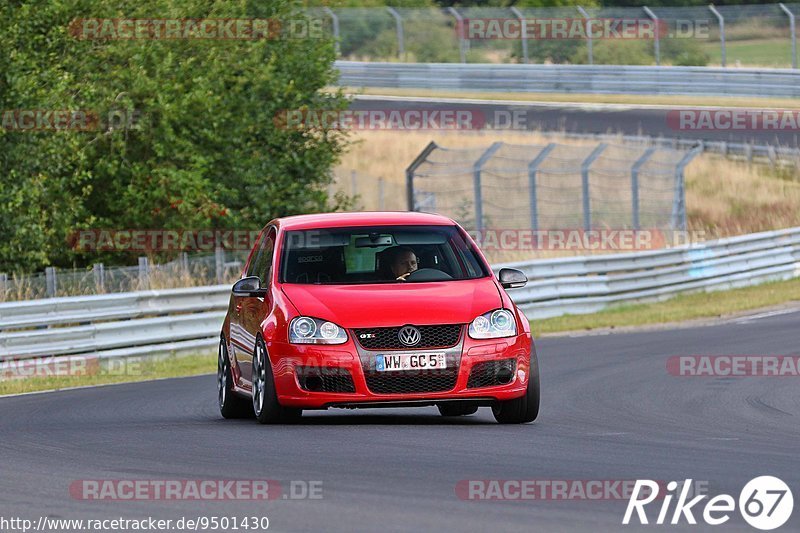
(552, 186)
(223, 266)
(747, 35)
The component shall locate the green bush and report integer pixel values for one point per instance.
(205, 149)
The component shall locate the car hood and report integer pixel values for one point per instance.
(395, 304)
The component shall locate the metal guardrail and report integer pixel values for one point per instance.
(596, 79)
(113, 325)
(188, 320)
(589, 284)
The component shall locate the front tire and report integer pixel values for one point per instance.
(231, 405)
(265, 399)
(525, 408)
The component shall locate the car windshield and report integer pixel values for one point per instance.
(378, 254)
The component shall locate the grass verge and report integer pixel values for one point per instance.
(680, 308)
(111, 371)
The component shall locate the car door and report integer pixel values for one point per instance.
(255, 309)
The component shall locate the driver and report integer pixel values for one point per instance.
(402, 262)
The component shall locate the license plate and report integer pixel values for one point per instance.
(416, 361)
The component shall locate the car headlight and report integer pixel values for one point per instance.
(493, 325)
(306, 330)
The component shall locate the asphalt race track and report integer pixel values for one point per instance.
(610, 411)
(584, 118)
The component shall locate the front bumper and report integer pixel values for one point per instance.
(339, 364)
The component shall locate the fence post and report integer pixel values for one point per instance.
(635, 184)
(587, 201)
(335, 21)
(476, 183)
(219, 264)
(524, 29)
(533, 167)
(657, 39)
(589, 45)
(423, 155)
(50, 281)
(185, 263)
(679, 202)
(794, 34)
(461, 31)
(99, 271)
(721, 20)
(144, 273)
(401, 46)
(381, 205)
(3, 285)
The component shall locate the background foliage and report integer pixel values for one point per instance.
(203, 151)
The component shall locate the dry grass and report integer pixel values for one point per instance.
(724, 197)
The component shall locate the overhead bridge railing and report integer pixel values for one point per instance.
(189, 320)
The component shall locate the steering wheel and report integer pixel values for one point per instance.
(428, 274)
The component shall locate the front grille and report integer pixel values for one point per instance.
(316, 379)
(430, 337)
(416, 381)
(491, 373)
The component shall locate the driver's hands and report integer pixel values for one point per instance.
(403, 277)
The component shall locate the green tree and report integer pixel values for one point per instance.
(204, 148)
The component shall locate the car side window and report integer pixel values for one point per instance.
(262, 265)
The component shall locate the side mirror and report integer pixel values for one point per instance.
(249, 286)
(511, 278)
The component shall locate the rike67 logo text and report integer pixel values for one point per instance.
(765, 503)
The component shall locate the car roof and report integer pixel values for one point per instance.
(364, 218)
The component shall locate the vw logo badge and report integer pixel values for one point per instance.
(409, 336)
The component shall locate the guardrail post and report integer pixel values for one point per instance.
(794, 34)
(524, 29)
(144, 273)
(51, 284)
(657, 42)
(99, 271)
(219, 264)
(589, 45)
(476, 182)
(587, 202)
(423, 155)
(533, 167)
(679, 202)
(748, 152)
(721, 21)
(461, 31)
(635, 184)
(401, 45)
(335, 21)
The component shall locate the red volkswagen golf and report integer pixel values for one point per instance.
(374, 310)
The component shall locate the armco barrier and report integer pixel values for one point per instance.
(596, 79)
(189, 320)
